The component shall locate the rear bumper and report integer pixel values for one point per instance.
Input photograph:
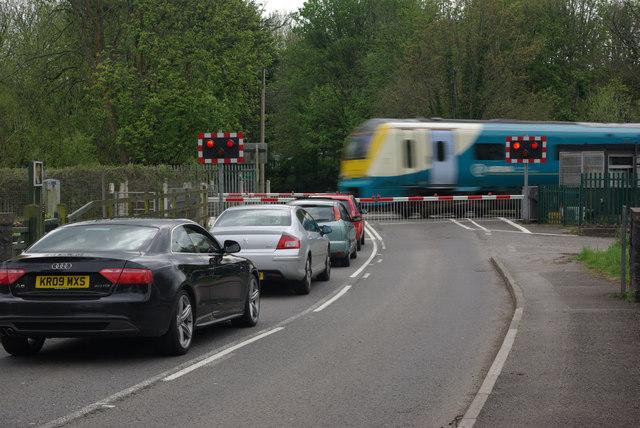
(288, 267)
(81, 318)
(339, 248)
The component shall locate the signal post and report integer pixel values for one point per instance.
(220, 148)
(526, 150)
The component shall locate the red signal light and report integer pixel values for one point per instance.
(229, 143)
(210, 143)
(534, 145)
(516, 146)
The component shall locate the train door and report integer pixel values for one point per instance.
(412, 159)
(444, 163)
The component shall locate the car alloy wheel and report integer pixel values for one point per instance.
(251, 307)
(326, 275)
(177, 340)
(303, 286)
(184, 320)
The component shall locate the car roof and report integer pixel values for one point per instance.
(314, 201)
(342, 197)
(262, 206)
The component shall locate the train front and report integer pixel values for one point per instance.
(356, 161)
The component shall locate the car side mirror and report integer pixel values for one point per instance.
(356, 218)
(231, 246)
(325, 230)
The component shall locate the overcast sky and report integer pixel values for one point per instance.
(282, 5)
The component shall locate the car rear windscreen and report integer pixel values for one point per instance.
(94, 238)
(321, 214)
(249, 217)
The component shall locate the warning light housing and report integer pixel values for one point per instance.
(220, 148)
(526, 149)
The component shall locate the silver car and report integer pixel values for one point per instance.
(343, 236)
(283, 241)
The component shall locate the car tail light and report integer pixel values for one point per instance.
(128, 276)
(336, 213)
(288, 242)
(9, 276)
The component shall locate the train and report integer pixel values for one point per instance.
(427, 157)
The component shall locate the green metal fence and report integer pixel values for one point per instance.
(598, 200)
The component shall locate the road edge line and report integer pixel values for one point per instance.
(471, 415)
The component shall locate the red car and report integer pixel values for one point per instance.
(349, 202)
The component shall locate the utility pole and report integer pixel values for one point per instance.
(262, 113)
(453, 93)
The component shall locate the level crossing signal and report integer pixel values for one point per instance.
(526, 149)
(220, 147)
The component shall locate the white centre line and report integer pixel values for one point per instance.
(333, 299)
(373, 253)
(219, 355)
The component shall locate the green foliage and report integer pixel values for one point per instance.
(608, 261)
(134, 81)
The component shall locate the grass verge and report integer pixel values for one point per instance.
(608, 262)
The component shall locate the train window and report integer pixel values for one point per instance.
(440, 152)
(408, 154)
(490, 151)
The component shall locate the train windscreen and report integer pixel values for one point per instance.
(357, 146)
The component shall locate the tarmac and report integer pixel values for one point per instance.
(571, 356)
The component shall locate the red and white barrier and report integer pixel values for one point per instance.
(285, 197)
(440, 198)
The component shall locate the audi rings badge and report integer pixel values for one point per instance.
(61, 266)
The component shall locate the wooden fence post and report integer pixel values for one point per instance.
(6, 235)
(35, 214)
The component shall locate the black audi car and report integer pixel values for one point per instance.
(159, 278)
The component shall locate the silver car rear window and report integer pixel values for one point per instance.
(249, 217)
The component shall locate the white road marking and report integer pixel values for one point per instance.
(516, 225)
(333, 299)
(366, 275)
(471, 416)
(476, 224)
(461, 225)
(219, 355)
(373, 253)
(374, 233)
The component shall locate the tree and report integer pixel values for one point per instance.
(124, 81)
(327, 81)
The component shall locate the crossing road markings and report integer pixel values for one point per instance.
(480, 227)
(516, 225)
(461, 225)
